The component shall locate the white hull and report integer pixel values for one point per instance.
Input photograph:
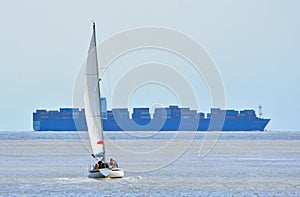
(104, 173)
(116, 173)
(99, 173)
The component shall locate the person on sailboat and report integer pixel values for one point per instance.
(103, 164)
(96, 166)
(113, 163)
(100, 163)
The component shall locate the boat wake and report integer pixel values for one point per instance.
(133, 179)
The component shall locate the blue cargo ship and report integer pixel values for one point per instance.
(172, 118)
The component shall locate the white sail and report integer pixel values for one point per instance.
(92, 100)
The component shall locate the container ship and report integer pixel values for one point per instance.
(172, 118)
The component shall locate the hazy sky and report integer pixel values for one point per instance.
(255, 44)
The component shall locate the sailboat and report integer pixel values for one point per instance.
(102, 168)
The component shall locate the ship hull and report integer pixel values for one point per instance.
(169, 125)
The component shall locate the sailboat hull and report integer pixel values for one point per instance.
(99, 173)
(104, 173)
(116, 173)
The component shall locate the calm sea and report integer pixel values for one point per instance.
(155, 164)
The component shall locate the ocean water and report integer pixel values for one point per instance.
(238, 164)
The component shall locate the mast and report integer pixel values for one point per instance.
(100, 107)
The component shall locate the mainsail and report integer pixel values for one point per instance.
(92, 100)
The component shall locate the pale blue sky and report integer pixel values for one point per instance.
(255, 44)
